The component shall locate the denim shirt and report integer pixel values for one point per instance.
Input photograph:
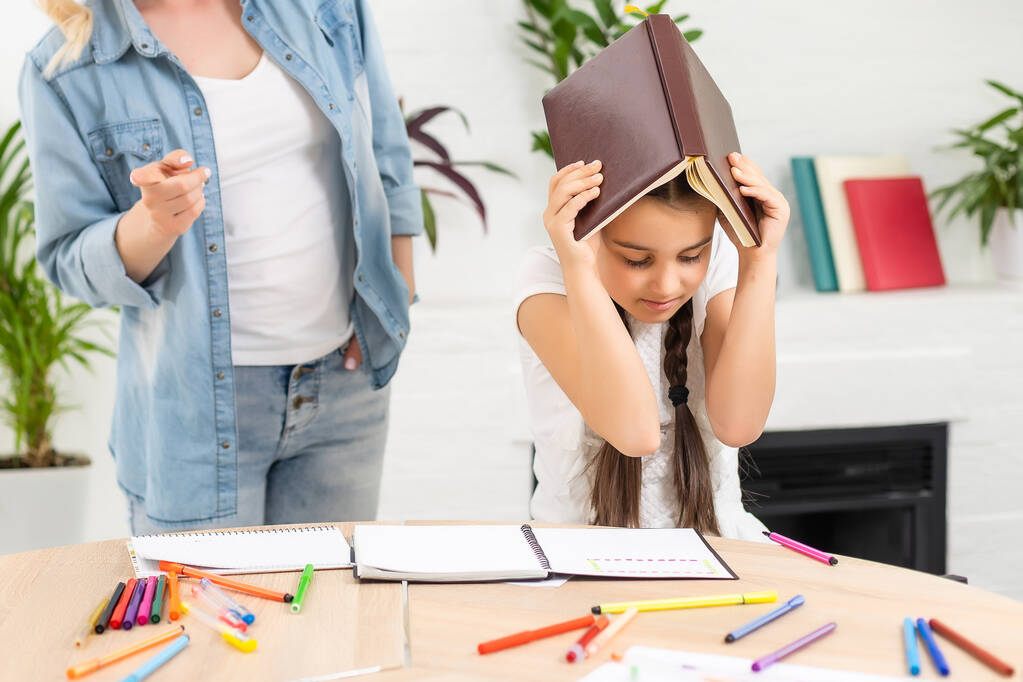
(127, 101)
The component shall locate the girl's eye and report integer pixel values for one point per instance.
(637, 263)
(691, 259)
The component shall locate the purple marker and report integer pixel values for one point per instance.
(772, 658)
(133, 605)
(147, 600)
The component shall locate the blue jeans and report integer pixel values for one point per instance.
(311, 446)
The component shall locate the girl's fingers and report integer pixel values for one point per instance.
(179, 185)
(562, 173)
(569, 189)
(570, 210)
(182, 203)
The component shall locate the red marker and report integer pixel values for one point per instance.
(117, 617)
(531, 635)
(802, 549)
(578, 650)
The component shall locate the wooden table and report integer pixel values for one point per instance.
(346, 624)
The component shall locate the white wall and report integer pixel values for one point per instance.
(803, 77)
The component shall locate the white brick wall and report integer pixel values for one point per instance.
(803, 77)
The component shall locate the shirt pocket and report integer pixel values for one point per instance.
(121, 147)
(336, 21)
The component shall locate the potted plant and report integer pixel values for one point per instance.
(995, 192)
(443, 164)
(42, 491)
(565, 37)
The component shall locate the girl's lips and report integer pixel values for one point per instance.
(659, 305)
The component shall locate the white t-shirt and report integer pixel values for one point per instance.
(287, 218)
(564, 442)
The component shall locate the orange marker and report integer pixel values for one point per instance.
(174, 609)
(255, 591)
(531, 635)
(95, 664)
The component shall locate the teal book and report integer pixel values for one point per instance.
(814, 225)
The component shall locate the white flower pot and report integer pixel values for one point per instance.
(42, 507)
(1007, 245)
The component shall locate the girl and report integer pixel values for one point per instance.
(648, 356)
(237, 178)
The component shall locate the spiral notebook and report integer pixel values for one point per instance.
(229, 552)
(511, 552)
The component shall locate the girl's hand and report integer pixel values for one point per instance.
(570, 189)
(774, 209)
(172, 195)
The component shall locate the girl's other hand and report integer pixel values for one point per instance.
(570, 189)
(774, 209)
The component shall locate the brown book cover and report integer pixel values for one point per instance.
(649, 110)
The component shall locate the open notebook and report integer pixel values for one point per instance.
(242, 551)
(507, 552)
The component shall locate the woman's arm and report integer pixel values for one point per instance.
(738, 336)
(580, 338)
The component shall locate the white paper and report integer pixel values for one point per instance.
(233, 552)
(556, 580)
(667, 665)
(462, 550)
(630, 552)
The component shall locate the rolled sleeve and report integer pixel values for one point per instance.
(390, 138)
(76, 216)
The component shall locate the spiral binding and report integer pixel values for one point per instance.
(537, 549)
(259, 531)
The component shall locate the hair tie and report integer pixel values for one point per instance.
(678, 395)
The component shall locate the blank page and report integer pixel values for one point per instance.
(631, 553)
(465, 550)
(243, 551)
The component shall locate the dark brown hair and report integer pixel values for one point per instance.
(617, 478)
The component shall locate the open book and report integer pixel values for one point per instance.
(649, 110)
(509, 552)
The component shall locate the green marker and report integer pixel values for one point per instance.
(154, 615)
(303, 585)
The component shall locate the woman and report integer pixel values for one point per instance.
(237, 178)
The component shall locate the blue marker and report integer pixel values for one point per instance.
(151, 666)
(932, 646)
(912, 652)
(764, 619)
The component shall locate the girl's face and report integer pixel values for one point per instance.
(654, 255)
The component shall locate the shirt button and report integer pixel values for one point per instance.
(213, 248)
(109, 152)
(401, 335)
(331, 105)
(249, 17)
(145, 147)
(216, 313)
(220, 375)
(288, 57)
(144, 46)
(198, 111)
(360, 278)
(225, 445)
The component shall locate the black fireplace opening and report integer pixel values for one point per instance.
(872, 493)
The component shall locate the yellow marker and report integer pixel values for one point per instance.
(689, 602)
(231, 636)
(90, 624)
(632, 8)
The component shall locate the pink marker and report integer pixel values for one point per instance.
(802, 549)
(147, 601)
(224, 614)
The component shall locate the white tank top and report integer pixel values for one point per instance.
(288, 235)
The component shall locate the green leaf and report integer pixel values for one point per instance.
(1005, 89)
(692, 36)
(429, 222)
(655, 8)
(679, 18)
(536, 46)
(606, 12)
(997, 118)
(542, 143)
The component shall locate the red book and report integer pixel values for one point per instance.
(894, 232)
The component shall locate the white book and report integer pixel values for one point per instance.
(512, 552)
(242, 551)
(832, 172)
